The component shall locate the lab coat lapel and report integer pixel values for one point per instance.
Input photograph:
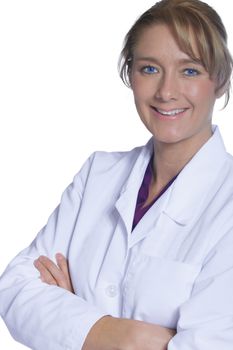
(148, 224)
(192, 189)
(128, 197)
(172, 215)
(188, 198)
(198, 181)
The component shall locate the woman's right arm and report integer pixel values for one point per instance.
(108, 333)
(43, 316)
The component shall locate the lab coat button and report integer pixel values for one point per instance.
(111, 291)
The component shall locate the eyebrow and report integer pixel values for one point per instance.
(182, 61)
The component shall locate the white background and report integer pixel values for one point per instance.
(61, 99)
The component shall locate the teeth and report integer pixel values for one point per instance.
(172, 112)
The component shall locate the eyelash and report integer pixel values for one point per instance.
(195, 72)
(144, 69)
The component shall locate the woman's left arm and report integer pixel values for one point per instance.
(58, 275)
(206, 318)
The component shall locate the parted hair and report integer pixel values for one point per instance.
(184, 17)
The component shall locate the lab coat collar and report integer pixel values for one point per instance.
(202, 175)
(189, 189)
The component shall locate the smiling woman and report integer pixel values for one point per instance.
(138, 255)
(176, 101)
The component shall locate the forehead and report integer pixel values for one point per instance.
(158, 40)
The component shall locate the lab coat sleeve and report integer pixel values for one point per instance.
(206, 319)
(39, 315)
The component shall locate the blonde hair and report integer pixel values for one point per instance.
(183, 17)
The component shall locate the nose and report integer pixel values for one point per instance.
(167, 88)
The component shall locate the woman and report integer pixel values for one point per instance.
(148, 233)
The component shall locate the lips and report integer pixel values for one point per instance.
(171, 113)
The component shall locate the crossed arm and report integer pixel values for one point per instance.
(109, 333)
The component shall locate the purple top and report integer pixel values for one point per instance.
(144, 191)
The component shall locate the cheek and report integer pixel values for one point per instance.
(139, 94)
(202, 93)
(142, 91)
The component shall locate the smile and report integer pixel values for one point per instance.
(171, 114)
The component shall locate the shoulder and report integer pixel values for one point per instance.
(105, 163)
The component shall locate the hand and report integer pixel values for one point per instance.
(110, 333)
(53, 274)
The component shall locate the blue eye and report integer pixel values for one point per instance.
(191, 72)
(149, 70)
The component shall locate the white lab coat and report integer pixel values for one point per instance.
(175, 269)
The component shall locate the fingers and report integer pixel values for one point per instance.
(63, 265)
(52, 274)
(45, 275)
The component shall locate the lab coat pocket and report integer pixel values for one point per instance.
(161, 286)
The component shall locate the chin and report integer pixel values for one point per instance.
(169, 138)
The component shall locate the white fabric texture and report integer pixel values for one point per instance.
(175, 269)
